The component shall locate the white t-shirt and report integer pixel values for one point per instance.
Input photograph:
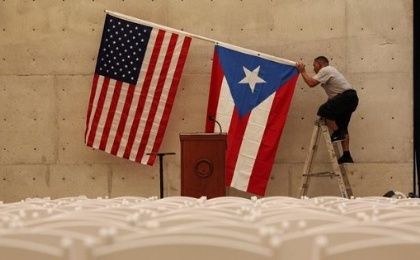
(332, 81)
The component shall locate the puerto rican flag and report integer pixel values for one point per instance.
(250, 96)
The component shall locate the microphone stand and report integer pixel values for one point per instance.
(211, 118)
(161, 155)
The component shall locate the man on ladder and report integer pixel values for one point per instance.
(342, 101)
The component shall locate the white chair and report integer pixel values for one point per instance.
(23, 250)
(175, 246)
(385, 248)
(337, 234)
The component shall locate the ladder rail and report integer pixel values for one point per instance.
(313, 146)
(344, 175)
(334, 162)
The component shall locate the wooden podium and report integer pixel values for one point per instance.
(203, 164)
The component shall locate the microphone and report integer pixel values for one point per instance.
(212, 118)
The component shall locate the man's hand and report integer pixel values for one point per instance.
(308, 79)
(301, 67)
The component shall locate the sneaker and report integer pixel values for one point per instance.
(345, 159)
(337, 136)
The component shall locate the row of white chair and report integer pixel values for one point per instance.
(224, 227)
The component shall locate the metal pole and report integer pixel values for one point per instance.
(161, 155)
(161, 174)
(416, 101)
(231, 46)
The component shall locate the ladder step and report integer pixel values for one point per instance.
(321, 174)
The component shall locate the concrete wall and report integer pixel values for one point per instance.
(47, 59)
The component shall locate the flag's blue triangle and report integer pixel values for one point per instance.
(265, 76)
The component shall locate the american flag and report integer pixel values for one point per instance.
(250, 96)
(136, 78)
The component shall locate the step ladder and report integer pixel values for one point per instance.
(338, 171)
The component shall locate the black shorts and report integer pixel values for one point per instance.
(340, 108)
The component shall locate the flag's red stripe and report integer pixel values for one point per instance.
(110, 116)
(92, 97)
(234, 141)
(123, 119)
(145, 89)
(170, 100)
(98, 112)
(215, 87)
(157, 96)
(271, 137)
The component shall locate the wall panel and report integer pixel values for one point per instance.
(48, 52)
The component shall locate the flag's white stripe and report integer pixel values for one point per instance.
(137, 91)
(251, 143)
(149, 97)
(163, 98)
(224, 107)
(104, 114)
(117, 117)
(94, 105)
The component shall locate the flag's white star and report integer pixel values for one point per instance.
(252, 78)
